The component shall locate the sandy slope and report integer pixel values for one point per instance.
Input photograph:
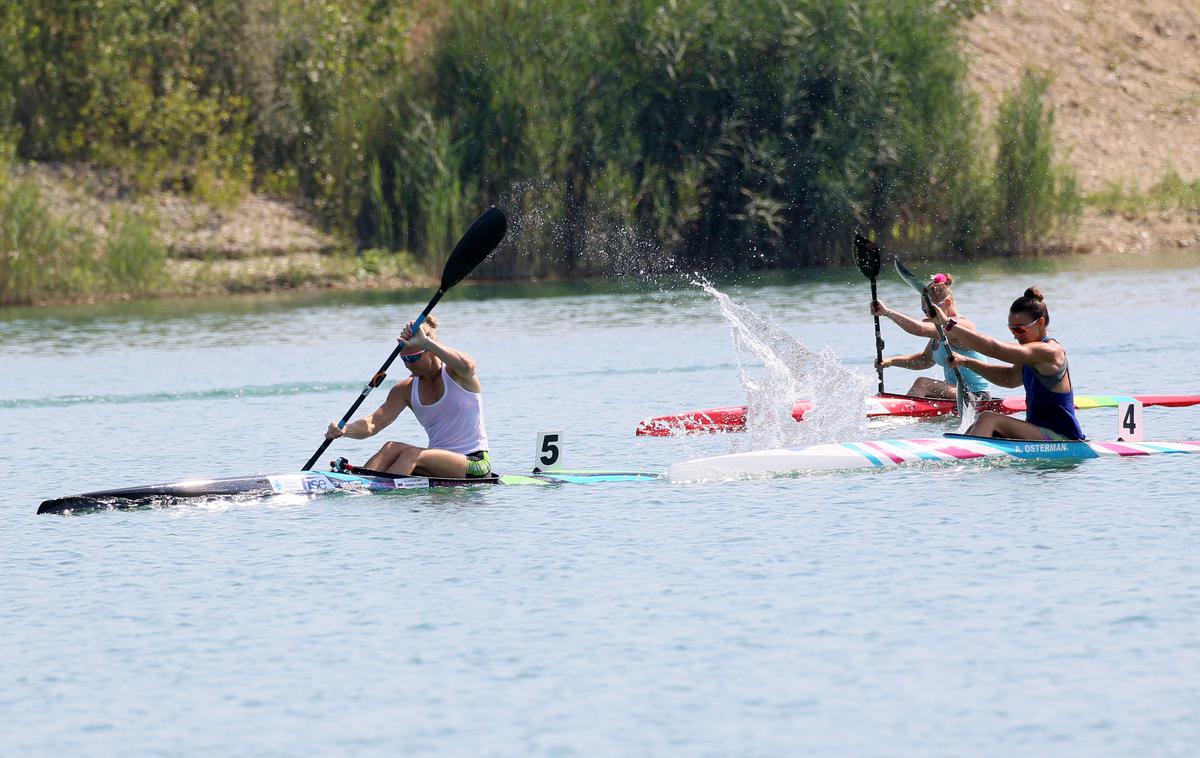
(1125, 79)
(1126, 90)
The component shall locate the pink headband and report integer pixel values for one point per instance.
(940, 278)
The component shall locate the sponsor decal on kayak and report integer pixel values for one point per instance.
(1033, 448)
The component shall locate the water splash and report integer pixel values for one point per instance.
(969, 414)
(790, 372)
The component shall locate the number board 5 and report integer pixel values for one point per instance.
(548, 454)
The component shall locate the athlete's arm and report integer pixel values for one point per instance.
(910, 325)
(914, 361)
(460, 365)
(1047, 355)
(1003, 376)
(369, 426)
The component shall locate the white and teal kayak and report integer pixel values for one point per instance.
(317, 483)
(878, 454)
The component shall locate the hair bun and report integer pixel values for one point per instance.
(1035, 293)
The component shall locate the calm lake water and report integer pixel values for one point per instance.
(975, 610)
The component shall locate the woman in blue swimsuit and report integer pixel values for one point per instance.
(1037, 362)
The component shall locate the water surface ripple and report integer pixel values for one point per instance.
(977, 610)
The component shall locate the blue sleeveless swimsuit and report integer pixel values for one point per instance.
(1048, 409)
(975, 383)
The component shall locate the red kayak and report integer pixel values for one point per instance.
(733, 419)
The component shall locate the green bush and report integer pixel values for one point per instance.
(1033, 192)
(617, 135)
(39, 255)
(740, 135)
(42, 256)
(1170, 193)
(133, 258)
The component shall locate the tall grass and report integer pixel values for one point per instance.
(1169, 193)
(733, 135)
(42, 256)
(1033, 192)
(618, 135)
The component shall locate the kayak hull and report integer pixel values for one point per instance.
(733, 418)
(316, 483)
(879, 454)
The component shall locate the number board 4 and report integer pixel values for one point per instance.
(548, 454)
(1129, 420)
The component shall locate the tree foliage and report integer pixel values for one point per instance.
(720, 134)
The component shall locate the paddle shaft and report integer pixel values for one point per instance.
(963, 395)
(479, 241)
(878, 339)
(375, 381)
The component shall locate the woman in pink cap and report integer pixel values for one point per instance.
(934, 353)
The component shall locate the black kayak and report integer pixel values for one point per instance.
(314, 483)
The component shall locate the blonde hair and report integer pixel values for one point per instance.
(938, 288)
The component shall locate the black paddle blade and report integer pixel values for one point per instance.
(480, 240)
(910, 278)
(866, 256)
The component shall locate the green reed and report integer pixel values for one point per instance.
(1169, 193)
(44, 257)
(618, 135)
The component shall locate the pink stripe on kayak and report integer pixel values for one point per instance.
(1121, 449)
(960, 453)
(876, 446)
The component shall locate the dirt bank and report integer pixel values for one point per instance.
(1125, 85)
(252, 243)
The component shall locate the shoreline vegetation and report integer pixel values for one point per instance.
(153, 149)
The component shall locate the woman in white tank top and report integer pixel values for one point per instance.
(445, 396)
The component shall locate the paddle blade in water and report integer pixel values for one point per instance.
(866, 256)
(482, 238)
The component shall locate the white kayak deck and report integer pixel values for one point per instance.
(874, 454)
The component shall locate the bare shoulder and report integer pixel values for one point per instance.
(1049, 349)
(1048, 356)
(400, 392)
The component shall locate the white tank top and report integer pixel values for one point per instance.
(455, 421)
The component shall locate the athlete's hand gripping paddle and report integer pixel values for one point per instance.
(480, 240)
(866, 257)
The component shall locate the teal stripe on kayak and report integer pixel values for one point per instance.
(920, 451)
(1163, 448)
(854, 447)
(597, 478)
(1033, 449)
